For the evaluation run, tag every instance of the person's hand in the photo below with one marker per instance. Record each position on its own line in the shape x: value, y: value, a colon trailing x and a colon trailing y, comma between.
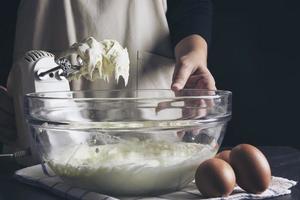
x: 8, y: 131
x: 191, y: 65
x: 191, y: 72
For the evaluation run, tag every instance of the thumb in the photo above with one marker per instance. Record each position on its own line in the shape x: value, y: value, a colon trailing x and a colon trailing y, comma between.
x: 180, y: 77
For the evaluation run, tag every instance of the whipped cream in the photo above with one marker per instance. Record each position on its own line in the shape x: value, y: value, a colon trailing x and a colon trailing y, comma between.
x: 131, y: 167
x: 101, y: 60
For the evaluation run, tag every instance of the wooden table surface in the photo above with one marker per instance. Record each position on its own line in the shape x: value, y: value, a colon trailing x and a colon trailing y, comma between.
x: 284, y: 161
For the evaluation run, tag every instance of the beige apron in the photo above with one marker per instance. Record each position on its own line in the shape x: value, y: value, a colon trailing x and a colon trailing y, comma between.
x: 139, y: 25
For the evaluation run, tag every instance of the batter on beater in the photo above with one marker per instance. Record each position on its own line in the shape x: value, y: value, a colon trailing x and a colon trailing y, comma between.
x: 105, y: 60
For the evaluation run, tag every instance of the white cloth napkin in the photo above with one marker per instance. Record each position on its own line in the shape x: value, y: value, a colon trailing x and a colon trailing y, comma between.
x: 34, y: 176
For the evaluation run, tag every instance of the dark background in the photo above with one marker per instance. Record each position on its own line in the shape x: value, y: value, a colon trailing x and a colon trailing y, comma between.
x: 254, y: 53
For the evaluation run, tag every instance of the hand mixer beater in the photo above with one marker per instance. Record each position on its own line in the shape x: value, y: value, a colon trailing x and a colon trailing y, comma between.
x: 37, y: 71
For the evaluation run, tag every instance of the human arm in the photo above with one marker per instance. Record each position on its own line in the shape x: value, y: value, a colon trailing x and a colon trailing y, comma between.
x: 190, y: 26
x: 8, y: 17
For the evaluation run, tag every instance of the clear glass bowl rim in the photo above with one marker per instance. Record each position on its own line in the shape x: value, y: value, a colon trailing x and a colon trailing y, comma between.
x: 51, y: 95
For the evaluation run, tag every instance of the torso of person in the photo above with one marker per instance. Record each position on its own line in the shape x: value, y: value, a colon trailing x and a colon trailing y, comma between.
x: 139, y: 25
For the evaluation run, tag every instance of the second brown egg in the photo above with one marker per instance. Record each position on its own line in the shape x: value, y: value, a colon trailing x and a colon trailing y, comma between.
x: 224, y: 155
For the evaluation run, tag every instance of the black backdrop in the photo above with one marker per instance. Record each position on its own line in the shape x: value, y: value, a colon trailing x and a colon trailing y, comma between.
x: 254, y: 53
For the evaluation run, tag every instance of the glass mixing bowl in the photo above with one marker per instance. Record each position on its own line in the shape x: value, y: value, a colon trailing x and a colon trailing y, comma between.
x: 124, y: 142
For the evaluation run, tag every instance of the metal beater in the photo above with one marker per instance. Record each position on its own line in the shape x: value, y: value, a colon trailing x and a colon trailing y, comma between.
x: 36, y: 71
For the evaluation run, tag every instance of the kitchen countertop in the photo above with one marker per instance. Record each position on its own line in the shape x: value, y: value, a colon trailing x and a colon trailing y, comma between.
x: 284, y: 161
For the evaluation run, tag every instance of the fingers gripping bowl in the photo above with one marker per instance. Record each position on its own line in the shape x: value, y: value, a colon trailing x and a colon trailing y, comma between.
x: 128, y: 142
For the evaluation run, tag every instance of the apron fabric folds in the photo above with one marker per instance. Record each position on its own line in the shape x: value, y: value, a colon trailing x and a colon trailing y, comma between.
x: 139, y: 25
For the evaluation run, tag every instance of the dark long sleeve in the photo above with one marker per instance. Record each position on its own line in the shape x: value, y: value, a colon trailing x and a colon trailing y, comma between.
x: 8, y: 18
x: 187, y: 17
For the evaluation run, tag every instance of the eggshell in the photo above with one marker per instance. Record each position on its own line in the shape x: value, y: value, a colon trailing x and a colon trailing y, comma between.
x: 251, y: 168
x: 215, y: 178
x: 224, y: 155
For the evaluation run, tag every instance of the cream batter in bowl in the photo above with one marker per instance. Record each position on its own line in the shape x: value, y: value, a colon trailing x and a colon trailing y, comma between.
x: 128, y: 142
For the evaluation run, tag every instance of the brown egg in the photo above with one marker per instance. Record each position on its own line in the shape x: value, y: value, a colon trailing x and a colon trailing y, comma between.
x: 251, y: 168
x: 215, y: 178
x: 224, y: 155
